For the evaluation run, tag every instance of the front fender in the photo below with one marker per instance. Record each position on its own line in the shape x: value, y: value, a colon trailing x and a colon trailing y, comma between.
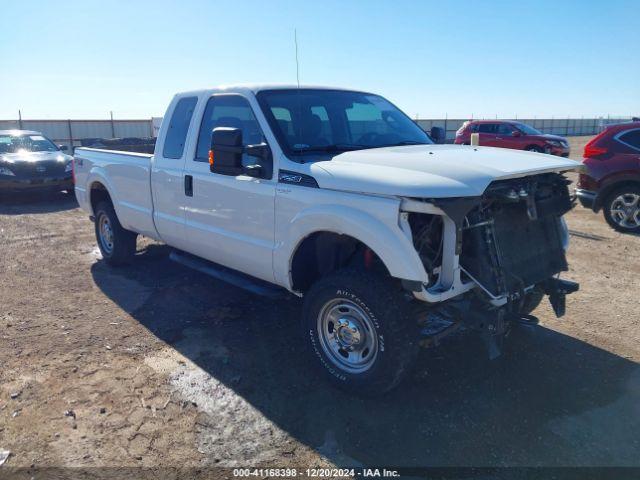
x: 388, y: 242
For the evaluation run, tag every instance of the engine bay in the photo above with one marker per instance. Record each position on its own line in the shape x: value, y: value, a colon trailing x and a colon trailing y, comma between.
x: 507, y: 240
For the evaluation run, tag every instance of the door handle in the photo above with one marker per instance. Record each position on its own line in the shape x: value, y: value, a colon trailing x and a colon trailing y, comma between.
x: 188, y: 185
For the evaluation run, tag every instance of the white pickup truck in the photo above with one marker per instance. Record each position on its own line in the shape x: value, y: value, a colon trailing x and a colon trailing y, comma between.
x: 338, y: 197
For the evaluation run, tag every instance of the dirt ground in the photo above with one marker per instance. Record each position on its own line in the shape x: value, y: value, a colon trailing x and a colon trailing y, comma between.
x: 157, y: 365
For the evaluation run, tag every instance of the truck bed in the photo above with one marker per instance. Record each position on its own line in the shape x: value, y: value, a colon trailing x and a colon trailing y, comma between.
x: 129, y: 177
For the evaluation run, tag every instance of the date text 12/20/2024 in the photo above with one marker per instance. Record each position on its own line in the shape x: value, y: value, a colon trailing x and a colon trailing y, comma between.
x: 315, y: 472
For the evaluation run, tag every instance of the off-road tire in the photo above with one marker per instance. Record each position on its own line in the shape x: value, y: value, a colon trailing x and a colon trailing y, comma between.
x: 389, y: 310
x: 123, y: 242
x: 606, y: 207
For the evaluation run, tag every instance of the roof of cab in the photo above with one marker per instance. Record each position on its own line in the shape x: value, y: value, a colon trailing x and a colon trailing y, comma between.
x: 255, y: 88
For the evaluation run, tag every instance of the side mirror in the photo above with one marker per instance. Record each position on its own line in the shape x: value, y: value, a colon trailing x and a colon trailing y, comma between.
x: 262, y: 152
x: 225, y: 155
x: 438, y: 135
x: 63, y: 148
x: 516, y: 133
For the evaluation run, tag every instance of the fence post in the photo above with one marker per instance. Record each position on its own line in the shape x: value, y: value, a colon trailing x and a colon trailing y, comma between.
x: 113, y: 128
x: 70, y: 135
x: 445, y: 126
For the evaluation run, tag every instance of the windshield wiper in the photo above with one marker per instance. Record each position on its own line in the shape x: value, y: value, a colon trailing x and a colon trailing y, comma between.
x: 341, y: 147
x: 407, y: 142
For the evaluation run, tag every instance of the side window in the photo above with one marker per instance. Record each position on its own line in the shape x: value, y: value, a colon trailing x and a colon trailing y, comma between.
x: 231, y: 111
x: 631, y: 139
x: 178, y: 127
x: 487, y: 128
x: 504, y: 129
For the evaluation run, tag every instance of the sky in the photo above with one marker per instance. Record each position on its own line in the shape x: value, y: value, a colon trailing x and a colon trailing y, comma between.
x: 461, y: 59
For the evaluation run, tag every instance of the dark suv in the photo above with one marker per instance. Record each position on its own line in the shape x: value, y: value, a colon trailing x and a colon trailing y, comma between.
x: 612, y: 180
x: 512, y: 134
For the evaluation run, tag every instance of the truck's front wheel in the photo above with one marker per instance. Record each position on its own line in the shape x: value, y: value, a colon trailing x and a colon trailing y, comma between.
x: 116, y: 244
x: 361, y: 332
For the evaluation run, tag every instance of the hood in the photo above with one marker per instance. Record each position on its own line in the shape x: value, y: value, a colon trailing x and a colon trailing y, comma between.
x: 436, y: 171
x: 34, y: 157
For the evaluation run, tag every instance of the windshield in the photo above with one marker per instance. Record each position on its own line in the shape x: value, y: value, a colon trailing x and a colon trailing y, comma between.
x: 526, y: 129
x: 310, y: 121
x: 25, y: 143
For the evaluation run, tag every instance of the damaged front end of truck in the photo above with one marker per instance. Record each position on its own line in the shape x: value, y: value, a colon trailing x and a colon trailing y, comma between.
x: 491, y: 259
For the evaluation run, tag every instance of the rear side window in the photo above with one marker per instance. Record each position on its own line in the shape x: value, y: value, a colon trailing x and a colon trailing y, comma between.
x: 487, y: 128
x: 178, y: 127
x: 630, y: 138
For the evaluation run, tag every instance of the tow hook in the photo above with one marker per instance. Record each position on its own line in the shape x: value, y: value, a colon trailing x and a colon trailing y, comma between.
x: 558, y: 290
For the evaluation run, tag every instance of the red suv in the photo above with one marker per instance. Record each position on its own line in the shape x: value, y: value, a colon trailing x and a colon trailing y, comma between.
x: 508, y: 134
x: 612, y: 181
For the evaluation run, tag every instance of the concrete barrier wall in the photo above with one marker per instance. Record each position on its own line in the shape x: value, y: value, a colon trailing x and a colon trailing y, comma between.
x: 70, y: 132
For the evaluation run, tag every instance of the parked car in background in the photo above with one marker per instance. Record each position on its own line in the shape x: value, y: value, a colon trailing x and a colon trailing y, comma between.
x: 30, y: 161
x: 612, y: 180
x: 516, y: 135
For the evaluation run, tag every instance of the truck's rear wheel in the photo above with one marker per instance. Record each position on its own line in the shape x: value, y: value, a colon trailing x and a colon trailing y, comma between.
x: 117, y: 245
x: 360, y: 330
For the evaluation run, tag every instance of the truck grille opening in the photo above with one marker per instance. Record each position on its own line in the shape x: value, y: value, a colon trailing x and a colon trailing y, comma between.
x: 513, y: 239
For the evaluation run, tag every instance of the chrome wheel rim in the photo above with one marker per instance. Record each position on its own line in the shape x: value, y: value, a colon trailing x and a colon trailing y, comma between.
x: 347, y: 336
x: 625, y: 210
x: 106, y: 234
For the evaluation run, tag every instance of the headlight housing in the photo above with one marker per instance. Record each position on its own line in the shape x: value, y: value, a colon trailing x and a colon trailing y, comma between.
x: 68, y: 167
x: 6, y: 171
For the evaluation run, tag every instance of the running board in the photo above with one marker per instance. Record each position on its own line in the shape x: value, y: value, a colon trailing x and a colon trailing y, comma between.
x: 238, y: 279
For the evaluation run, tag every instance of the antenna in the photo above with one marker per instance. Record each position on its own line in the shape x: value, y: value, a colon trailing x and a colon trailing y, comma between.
x: 295, y: 40
x: 300, y: 121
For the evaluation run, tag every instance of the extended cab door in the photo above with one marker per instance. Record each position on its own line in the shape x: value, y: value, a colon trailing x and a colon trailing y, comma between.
x: 487, y: 133
x: 230, y: 218
x: 167, y: 179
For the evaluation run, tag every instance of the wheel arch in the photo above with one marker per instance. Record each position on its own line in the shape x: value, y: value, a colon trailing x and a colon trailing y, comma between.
x: 98, y: 192
x: 351, y: 229
x: 323, y: 252
x: 613, y: 184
